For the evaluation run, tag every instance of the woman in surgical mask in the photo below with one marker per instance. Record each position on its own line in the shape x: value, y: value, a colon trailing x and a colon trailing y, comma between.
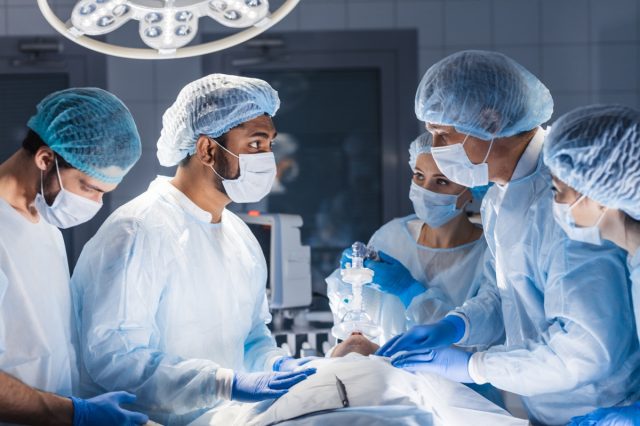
x: 428, y: 260
x: 593, y: 153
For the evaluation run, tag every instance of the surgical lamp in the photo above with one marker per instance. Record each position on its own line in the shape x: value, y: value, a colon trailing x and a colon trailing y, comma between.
x: 166, y: 26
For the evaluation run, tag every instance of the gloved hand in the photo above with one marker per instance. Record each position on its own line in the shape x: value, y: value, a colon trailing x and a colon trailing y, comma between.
x: 253, y: 387
x: 613, y: 416
x: 346, y: 258
x: 445, y: 332
x: 105, y: 410
x: 287, y: 363
x: 451, y: 363
x: 391, y: 277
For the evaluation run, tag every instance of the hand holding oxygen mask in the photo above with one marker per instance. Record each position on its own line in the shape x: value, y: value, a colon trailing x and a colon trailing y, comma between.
x: 391, y: 276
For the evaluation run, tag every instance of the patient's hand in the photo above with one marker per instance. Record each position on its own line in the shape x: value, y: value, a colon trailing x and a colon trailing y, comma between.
x: 356, y: 342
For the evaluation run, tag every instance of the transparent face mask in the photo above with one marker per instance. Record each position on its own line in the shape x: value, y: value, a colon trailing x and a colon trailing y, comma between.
x: 356, y: 319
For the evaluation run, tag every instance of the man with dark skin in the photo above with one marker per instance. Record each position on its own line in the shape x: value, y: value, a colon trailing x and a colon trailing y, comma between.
x: 171, y: 292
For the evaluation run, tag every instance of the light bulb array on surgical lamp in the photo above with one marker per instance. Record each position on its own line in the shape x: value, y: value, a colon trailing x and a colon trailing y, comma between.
x: 166, y: 26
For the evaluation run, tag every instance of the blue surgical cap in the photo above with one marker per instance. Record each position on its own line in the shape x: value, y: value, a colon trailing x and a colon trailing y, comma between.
x: 596, y: 151
x: 91, y: 129
x: 211, y: 106
x: 484, y: 94
x: 421, y: 145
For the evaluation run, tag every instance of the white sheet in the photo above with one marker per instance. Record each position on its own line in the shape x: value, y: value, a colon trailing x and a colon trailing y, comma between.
x: 375, y: 389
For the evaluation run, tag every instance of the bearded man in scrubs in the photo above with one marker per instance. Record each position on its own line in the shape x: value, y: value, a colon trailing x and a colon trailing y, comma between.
x: 171, y: 292
x: 80, y: 144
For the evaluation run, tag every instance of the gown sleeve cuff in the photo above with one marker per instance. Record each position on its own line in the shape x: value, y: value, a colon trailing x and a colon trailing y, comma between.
x: 465, y: 336
x: 224, y: 381
x: 475, y: 368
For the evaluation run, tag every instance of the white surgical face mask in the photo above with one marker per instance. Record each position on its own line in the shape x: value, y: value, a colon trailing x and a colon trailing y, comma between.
x: 68, y: 209
x: 257, y: 173
x: 455, y: 164
x: 433, y: 208
x: 586, y: 234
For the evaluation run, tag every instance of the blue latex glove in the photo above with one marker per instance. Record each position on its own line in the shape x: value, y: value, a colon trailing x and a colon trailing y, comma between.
x: 451, y: 363
x: 445, y: 332
x: 390, y: 276
x: 105, y: 410
x: 613, y: 416
x: 253, y: 387
x: 346, y: 258
x: 287, y: 363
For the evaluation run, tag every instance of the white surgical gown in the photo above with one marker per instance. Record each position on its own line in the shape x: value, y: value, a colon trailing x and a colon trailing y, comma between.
x: 164, y: 298
x: 566, y: 307
x: 36, y: 331
x: 369, y: 382
x: 449, y: 276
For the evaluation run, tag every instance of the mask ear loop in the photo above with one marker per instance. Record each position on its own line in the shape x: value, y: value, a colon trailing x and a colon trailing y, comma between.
x: 57, y: 172
x: 582, y: 197
x: 458, y: 197
x: 488, y: 151
x: 576, y: 202
x: 601, y: 216
x: 218, y: 143
x: 212, y: 168
x: 486, y: 157
x: 217, y: 174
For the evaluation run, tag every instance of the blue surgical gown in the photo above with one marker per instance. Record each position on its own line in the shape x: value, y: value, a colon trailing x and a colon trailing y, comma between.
x: 165, y: 298
x: 566, y: 309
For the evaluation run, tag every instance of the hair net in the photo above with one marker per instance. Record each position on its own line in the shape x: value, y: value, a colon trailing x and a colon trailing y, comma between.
x: 91, y: 129
x: 484, y: 94
x: 421, y: 145
x: 596, y: 151
x: 211, y: 106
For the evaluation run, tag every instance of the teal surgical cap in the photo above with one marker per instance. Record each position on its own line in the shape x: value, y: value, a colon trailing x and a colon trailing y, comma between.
x: 212, y: 106
x: 90, y: 129
x: 596, y: 151
x: 484, y: 94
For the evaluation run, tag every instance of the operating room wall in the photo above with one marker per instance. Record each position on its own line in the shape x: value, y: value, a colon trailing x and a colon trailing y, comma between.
x: 586, y: 51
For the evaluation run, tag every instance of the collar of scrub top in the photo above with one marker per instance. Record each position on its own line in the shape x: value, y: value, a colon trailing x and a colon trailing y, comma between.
x: 528, y: 163
x: 163, y: 185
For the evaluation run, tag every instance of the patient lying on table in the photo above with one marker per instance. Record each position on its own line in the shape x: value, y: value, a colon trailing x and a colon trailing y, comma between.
x: 355, y: 384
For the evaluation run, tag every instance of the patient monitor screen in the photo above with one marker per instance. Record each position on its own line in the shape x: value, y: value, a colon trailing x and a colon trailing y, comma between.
x: 263, y: 235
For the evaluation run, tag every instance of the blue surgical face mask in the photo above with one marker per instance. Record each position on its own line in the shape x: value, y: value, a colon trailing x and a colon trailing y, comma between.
x: 586, y: 234
x: 433, y: 208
